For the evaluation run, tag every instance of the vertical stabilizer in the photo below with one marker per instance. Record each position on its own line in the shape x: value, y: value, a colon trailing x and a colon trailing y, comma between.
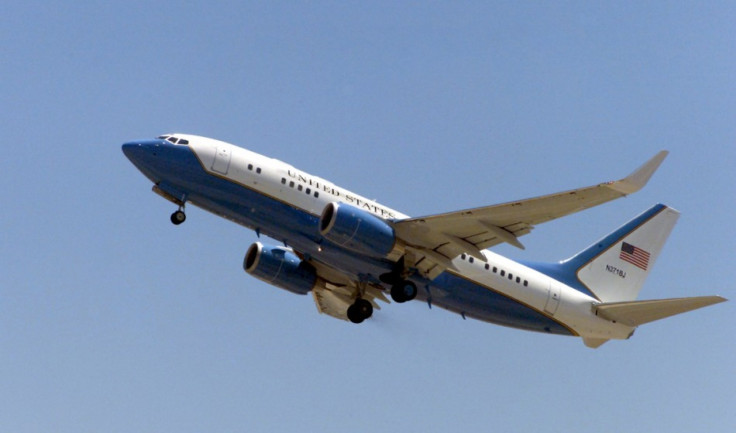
x: 614, y: 268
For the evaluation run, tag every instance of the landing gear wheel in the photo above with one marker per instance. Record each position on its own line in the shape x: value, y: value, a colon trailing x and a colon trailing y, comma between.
x: 178, y: 217
x: 360, y: 310
x: 403, y: 291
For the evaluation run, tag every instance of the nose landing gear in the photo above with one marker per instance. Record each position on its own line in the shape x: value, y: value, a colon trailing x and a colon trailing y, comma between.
x: 179, y: 216
x: 175, y: 196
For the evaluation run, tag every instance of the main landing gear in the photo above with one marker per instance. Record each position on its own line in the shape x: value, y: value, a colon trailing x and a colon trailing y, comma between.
x: 403, y: 291
x: 360, y: 310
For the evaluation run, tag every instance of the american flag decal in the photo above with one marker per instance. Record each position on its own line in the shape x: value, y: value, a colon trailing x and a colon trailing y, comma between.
x: 634, y: 255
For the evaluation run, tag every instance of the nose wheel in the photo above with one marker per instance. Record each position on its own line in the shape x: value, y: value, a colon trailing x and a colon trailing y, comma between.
x: 178, y: 217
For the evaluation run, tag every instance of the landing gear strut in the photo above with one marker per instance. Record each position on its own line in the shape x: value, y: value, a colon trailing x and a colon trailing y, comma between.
x: 175, y: 197
x: 360, y: 310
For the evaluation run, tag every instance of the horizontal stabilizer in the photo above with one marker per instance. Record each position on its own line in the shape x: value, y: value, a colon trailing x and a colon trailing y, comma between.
x: 637, y: 313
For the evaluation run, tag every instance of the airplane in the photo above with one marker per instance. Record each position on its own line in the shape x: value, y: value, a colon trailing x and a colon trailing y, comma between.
x: 350, y: 252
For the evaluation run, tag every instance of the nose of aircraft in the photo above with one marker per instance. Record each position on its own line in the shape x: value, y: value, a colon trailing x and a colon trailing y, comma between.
x: 135, y: 150
x: 144, y: 155
x: 131, y: 149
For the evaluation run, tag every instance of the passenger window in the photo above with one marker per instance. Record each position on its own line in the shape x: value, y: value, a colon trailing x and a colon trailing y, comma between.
x: 291, y: 184
x: 518, y: 280
x: 299, y: 187
x: 258, y: 170
x: 308, y: 191
x: 250, y: 167
x: 503, y: 273
x: 316, y: 194
x: 283, y: 181
x: 495, y: 269
x: 526, y: 283
x: 463, y: 256
x: 511, y: 276
x: 471, y: 260
x: 488, y: 266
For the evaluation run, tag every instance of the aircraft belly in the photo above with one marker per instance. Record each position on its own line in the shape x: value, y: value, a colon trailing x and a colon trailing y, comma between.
x: 455, y: 293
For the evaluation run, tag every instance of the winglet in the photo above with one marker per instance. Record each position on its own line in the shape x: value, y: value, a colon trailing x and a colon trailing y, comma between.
x: 636, y: 180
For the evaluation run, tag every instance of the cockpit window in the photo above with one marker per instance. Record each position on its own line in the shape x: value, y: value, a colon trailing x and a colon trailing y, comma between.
x: 173, y: 139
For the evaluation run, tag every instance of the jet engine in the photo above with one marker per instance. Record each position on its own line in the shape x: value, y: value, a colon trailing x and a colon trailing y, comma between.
x: 281, y: 267
x: 357, y: 230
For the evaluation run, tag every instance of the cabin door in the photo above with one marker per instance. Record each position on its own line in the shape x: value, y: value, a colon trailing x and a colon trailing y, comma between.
x: 222, y: 160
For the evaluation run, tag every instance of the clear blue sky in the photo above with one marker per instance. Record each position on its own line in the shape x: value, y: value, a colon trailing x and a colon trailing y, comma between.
x: 114, y: 320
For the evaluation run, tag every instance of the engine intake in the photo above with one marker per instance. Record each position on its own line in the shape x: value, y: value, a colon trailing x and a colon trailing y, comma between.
x: 357, y: 230
x: 281, y: 267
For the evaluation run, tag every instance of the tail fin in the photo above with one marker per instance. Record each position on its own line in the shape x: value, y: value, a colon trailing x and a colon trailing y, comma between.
x: 614, y: 268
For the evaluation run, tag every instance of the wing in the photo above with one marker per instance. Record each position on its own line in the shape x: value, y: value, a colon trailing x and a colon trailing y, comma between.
x: 433, y: 241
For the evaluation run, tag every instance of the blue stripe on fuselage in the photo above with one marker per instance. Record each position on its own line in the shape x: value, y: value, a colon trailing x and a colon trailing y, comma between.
x: 178, y: 168
x: 461, y: 295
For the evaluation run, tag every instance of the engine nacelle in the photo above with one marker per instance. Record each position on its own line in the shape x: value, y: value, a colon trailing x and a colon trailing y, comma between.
x: 281, y: 267
x: 357, y: 230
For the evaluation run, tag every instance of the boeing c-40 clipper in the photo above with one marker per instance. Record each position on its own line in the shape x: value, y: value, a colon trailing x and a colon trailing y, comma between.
x: 350, y: 252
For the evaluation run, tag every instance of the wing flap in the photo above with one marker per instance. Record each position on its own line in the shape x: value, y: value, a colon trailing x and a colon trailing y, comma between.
x: 431, y: 263
x: 637, y: 313
x: 331, y: 302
